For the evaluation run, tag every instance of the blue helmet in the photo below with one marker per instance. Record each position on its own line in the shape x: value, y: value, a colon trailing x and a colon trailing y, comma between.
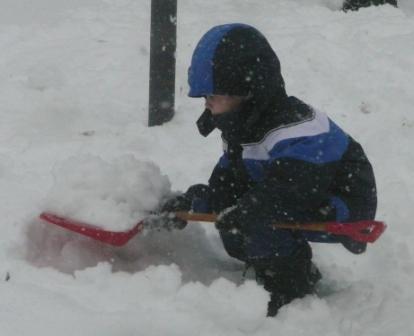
x: 234, y: 59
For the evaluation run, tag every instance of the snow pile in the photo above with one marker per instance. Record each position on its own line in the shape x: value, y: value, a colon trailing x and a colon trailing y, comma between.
x: 112, y: 195
x: 153, y: 302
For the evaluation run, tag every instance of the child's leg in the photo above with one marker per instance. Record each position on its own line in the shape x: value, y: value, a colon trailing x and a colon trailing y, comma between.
x: 286, y: 271
x: 287, y: 278
x: 234, y: 244
x: 281, y: 260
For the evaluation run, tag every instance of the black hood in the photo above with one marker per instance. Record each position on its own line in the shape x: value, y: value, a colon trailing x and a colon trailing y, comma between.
x: 236, y: 59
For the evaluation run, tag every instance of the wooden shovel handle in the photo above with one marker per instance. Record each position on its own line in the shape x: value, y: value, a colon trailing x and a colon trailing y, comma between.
x: 211, y: 217
x: 364, y: 231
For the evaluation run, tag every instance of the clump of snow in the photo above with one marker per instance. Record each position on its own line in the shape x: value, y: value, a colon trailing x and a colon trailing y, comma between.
x: 112, y: 195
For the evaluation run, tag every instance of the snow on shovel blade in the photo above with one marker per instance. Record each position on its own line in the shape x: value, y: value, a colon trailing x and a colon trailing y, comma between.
x: 110, y: 237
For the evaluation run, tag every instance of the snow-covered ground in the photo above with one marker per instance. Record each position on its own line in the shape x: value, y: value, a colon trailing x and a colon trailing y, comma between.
x: 73, y: 108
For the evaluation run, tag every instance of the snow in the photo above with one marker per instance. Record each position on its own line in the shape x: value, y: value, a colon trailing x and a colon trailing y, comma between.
x: 113, y: 196
x: 73, y: 107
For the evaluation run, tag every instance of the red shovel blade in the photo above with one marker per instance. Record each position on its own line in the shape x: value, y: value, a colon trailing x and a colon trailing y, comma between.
x: 367, y: 231
x: 109, y: 237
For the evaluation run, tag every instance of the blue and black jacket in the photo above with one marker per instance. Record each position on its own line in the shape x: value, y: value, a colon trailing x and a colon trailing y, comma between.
x: 283, y: 160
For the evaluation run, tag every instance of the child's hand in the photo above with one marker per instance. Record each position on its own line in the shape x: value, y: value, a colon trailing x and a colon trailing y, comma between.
x: 229, y: 219
x: 165, y: 217
x: 167, y: 211
x: 176, y: 203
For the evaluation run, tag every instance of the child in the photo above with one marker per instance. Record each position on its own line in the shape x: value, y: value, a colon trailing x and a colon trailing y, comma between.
x: 283, y: 161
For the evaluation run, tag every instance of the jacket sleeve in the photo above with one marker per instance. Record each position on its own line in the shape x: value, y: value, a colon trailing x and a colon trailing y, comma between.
x: 225, y: 185
x: 224, y: 189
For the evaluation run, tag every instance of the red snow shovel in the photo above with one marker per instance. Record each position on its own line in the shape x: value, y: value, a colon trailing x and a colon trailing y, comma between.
x: 367, y: 231
x: 116, y: 238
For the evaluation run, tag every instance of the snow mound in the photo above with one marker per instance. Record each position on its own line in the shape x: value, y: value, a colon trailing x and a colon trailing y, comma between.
x: 112, y: 195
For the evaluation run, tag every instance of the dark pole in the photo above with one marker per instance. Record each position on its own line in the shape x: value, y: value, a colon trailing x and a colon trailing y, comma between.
x: 162, y: 61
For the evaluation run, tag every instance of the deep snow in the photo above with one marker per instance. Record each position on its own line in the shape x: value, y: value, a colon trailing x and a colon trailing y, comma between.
x: 73, y: 107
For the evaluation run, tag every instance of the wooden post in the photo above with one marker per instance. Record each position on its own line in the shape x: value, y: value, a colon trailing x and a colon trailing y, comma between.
x: 162, y: 61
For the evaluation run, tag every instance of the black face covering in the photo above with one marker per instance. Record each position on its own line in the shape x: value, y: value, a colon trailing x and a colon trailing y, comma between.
x: 205, y: 123
x: 231, y: 123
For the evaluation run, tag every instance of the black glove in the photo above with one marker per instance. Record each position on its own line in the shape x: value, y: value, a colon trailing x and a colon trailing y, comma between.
x: 165, y: 217
x: 167, y: 211
x: 176, y: 203
x: 230, y: 219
